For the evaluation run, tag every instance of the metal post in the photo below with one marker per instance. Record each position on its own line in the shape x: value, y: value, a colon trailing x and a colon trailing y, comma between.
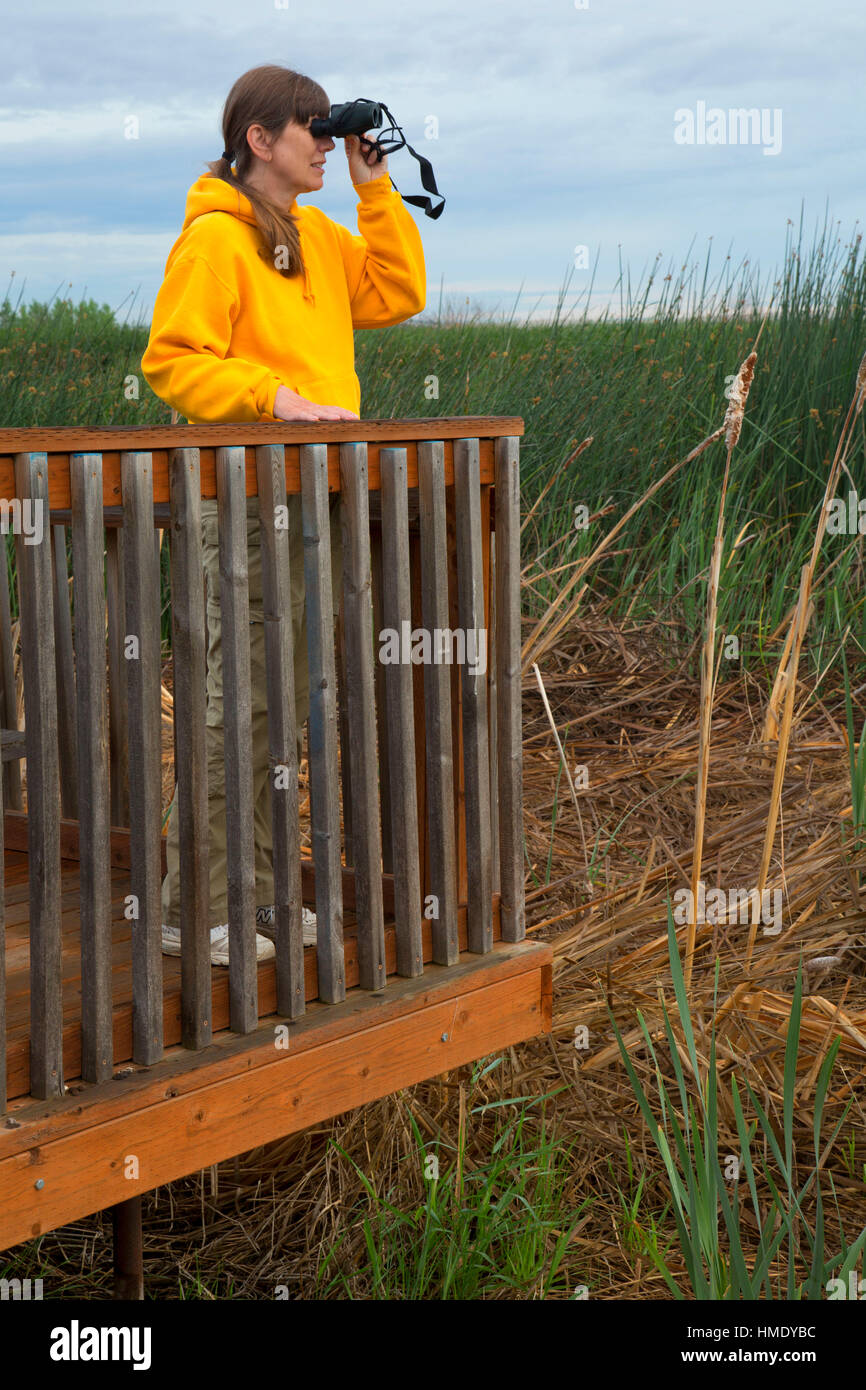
x: 128, y: 1256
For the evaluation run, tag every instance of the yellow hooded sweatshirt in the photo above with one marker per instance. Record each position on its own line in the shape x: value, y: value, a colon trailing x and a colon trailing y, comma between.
x: 228, y: 329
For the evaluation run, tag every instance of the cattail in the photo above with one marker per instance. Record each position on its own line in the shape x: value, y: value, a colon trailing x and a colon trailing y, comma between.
x: 737, y: 400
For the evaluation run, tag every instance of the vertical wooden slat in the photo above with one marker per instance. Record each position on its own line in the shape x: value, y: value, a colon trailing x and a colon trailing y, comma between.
x: 419, y: 712
x: 43, y: 785
x: 142, y: 652
x: 189, y: 664
x: 397, y: 610
x: 456, y: 701
x: 473, y: 686
x: 361, y: 701
x: 283, y: 752
x: 65, y: 676
x: 343, y: 725
x: 237, y: 730
x: 322, y: 726
x: 2, y: 958
x: 508, y: 689
x: 88, y: 544
x: 437, y: 702
x: 8, y: 693
x: 118, y: 722
x: 381, y: 698
x: 492, y: 714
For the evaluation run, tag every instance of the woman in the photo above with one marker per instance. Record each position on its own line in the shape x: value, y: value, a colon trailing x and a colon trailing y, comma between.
x: 254, y: 321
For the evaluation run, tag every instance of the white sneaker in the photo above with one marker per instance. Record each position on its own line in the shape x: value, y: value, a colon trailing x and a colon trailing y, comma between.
x: 219, y: 937
x: 265, y: 919
x: 219, y: 944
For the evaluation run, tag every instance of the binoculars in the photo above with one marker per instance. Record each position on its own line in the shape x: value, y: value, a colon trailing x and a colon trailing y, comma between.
x: 354, y: 117
x: 348, y: 118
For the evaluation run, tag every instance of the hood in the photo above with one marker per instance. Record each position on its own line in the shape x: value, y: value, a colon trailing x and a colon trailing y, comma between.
x: 210, y: 194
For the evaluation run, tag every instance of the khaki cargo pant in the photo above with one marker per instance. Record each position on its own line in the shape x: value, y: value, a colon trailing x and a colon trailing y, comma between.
x: 214, y: 719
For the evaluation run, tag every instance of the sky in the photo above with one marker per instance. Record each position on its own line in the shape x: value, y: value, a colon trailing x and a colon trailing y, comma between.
x: 572, y: 136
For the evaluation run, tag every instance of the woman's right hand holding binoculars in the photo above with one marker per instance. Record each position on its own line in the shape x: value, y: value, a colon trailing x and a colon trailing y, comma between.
x: 288, y: 405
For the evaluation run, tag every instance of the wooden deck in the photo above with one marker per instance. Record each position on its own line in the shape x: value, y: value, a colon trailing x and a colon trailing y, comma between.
x: 18, y: 972
x: 128, y: 1069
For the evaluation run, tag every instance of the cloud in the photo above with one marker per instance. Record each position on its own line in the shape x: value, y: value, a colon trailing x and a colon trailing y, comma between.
x: 555, y: 125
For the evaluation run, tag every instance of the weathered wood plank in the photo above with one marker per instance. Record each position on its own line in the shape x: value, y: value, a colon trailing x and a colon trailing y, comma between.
x: 397, y: 610
x: 418, y: 708
x: 142, y: 653
x: 508, y: 689
x: 437, y: 700
x: 65, y: 674
x: 13, y: 745
x: 118, y: 720
x: 322, y: 726
x: 492, y: 713
x: 43, y: 785
x: 343, y: 726
x: 361, y: 704
x: 456, y: 700
x: 88, y: 545
x: 189, y: 664
x: 237, y: 732
x: 473, y: 686
x: 381, y: 699
x: 161, y: 439
x: 3, y: 1020
x: 283, y: 751
x: 8, y: 693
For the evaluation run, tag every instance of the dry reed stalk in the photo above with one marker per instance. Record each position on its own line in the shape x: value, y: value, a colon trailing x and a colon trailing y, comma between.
x: 533, y: 647
x: 801, y: 619
x: 770, y: 730
x: 772, y: 718
x: 565, y: 765
x: 575, y: 454
x: 732, y: 426
x: 788, y: 680
x: 557, y: 545
x: 839, y: 459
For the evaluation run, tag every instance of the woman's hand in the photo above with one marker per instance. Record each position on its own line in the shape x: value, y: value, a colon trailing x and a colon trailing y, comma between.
x: 362, y: 164
x: 288, y: 405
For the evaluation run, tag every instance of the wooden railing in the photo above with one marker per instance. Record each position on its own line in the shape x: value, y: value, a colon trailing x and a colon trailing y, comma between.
x: 415, y: 773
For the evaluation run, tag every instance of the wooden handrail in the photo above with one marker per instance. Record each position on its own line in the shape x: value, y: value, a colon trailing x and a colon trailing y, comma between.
x: 160, y: 440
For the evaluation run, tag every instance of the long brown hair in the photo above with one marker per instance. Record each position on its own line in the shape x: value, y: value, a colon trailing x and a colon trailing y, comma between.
x: 269, y: 96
